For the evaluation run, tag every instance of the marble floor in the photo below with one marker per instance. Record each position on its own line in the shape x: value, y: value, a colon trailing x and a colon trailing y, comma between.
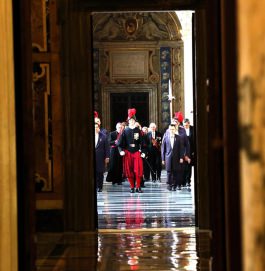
x: 150, y: 231
x: 160, y: 250
x: 156, y: 207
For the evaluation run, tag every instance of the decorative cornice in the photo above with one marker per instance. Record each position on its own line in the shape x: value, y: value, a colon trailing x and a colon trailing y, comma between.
x: 147, y: 26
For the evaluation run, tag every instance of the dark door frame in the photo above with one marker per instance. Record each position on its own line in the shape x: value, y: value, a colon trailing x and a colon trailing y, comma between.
x: 130, y: 105
x: 221, y: 85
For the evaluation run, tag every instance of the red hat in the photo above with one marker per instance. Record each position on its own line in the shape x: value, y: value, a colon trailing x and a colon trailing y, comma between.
x: 131, y: 113
x: 179, y: 116
x: 95, y: 114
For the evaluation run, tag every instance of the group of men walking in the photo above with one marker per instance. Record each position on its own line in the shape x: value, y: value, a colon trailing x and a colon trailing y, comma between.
x: 135, y: 153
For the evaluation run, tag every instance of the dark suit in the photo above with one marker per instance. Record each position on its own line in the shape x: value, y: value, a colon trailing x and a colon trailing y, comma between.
x: 188, y: 167
x: 154, y: 154
x: 104, y: 131
x: 102, y: 152
x: 187, y: 151
x: 115, y: 166
x: 172, y: 156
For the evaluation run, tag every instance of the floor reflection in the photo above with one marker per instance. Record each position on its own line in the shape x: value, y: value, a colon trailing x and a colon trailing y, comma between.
x: 125, y: 250
x: 133, y: 212
x: 150, y: 231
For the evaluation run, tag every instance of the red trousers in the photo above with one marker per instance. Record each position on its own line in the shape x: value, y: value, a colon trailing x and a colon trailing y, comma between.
x: 133, y: 167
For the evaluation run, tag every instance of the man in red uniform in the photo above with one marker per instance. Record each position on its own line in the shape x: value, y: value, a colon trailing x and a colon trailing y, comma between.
x: 130, y: 146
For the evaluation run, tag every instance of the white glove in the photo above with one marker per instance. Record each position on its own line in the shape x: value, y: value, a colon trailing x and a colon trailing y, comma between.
x: 122, y: 153
x: 143, y: 155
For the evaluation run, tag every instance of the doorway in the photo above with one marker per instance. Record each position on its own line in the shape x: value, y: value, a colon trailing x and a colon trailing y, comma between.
x: 120, y: 102
x: 84, y: 109
x: 132, y: 72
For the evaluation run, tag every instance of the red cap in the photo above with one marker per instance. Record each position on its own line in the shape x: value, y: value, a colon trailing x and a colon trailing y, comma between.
x: 131, y: 113
x: 95, y: 114
x: 179, y: 116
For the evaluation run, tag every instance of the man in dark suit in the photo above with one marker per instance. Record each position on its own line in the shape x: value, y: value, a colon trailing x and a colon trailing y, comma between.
x: 189, y: 161
x: 172, y: 154
x: 146, y: 168
x: 154, y: 139
x: 102, y: 156
x: 115, y: 166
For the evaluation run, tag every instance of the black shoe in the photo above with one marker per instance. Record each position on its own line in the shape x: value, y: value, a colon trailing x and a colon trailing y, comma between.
x: 169, y: 188
x: 174, y: 189
x: 119, y: 183
x: 153, y: 181
x: 132, y: 190
x: 100, y: 190
x: 139, y: 190
x: 179, y: 188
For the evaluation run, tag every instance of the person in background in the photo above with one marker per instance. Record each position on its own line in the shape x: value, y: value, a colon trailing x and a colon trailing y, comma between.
x: 146, y: 169
x: 176, y: 121
x: 102, y: 156
x: 172, y: 153
x: 189, y: 161
x: 154, y: 139
x: 115, y: 166
x: 145, y: 130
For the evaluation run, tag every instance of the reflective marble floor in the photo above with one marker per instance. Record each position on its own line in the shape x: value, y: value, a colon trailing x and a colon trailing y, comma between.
x: 160, y: 250
x: 156, y: 207
x: 149, y: 231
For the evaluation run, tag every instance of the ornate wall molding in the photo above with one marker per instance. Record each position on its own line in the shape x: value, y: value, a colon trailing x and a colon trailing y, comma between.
x: 136, y: 26
x: 129, y: 46
x: 96, y: 78
x: 125, y: 66
x: 48, y: 120
x: 178, y: 77
x: 165, y: 69
x: 40, y: 25
x: 42, y: 127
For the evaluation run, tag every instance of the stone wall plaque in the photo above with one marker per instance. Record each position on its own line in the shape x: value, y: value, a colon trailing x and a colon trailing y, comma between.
x: 129, y: 65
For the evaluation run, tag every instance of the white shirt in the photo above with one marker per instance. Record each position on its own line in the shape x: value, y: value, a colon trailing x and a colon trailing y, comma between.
x: 96, y: 139
x: 172, y: 139
x: 153, y: 134
x: 187, y: 131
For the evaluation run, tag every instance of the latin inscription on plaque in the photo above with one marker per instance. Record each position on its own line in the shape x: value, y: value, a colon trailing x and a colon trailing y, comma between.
x: 129, y: 65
